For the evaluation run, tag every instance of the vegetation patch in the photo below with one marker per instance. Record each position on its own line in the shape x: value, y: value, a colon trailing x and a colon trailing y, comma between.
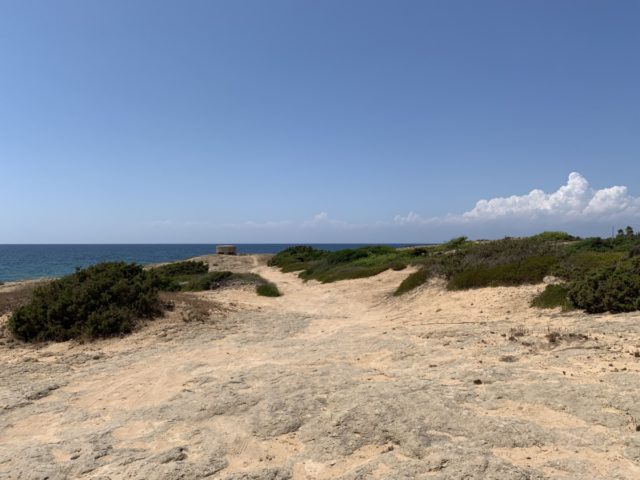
x: 221, y: 279
x: 529, y: 270
x: 553, y: 296
x: 176, y: 269
x: 575, y: 264
x: 103, y: 300
x: 356, y: 263
x: 194, y: 276
x: 554, y: 236
x: 598, y: 272
x: 613, y: 289
x: 206, y: 281
x: 455, y: 244
x: 298, y: 258
x: 108, y: 299
x: 413, y: 281
x: 268, y: 289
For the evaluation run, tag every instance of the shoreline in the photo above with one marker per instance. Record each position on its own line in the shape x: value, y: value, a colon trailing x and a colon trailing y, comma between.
x: 141, y: 254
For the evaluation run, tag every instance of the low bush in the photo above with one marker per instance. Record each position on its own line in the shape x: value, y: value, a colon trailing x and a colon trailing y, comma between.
x: 577, y: 264
x: 509, y: 250
x: 528, y: 270
x: 188, y: 267
x: 398, y: 265
x: 554, y: 236
x: 268, y: 290
x: 296, y: 258
x: 354, y: 263
x: 222, y: 279
x: 99, y: 301
x: 457, y: 243
x: 174, y: 276
x: 613, y: 289
x: 350, y: 255
x: 593, y: 266
x: 413, y: 281
x: 600, y: 271
x: 597, y: 244
x: 207, y: 281
x: 553, y: 296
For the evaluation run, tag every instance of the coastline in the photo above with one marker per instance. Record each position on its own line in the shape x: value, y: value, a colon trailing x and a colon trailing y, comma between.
x: 332, y: 379
x: 32, y: 262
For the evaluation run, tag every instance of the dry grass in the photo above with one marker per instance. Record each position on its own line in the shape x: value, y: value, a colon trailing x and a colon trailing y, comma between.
x: 14, y: 297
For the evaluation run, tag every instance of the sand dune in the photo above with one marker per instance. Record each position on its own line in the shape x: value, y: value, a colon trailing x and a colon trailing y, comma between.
x: 340, y: 380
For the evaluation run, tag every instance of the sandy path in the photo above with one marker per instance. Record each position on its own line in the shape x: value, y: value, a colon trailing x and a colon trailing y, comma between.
x: 332, y: 381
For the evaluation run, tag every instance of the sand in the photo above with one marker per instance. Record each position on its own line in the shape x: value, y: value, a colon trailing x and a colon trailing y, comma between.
x: 331, y: 381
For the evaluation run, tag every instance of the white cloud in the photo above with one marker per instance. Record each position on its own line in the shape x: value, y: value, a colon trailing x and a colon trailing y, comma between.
x: 575, y: 207
x: 574, y: 202
x: 411, y: 217
x: 321, y: 218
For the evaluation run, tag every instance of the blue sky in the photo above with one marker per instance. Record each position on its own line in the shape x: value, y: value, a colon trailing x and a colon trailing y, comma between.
x: 330, y: 121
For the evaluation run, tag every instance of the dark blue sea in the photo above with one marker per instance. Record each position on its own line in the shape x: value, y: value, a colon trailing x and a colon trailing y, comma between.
x: 22, y: 262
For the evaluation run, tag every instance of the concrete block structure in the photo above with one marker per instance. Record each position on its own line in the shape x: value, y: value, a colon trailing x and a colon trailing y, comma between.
x: 226, y: 249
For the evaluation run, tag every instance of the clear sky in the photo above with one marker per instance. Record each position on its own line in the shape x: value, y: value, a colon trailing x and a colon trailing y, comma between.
x: 316, y: 121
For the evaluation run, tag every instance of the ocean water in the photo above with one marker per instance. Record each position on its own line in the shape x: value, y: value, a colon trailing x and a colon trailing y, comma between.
x: 22, y: 262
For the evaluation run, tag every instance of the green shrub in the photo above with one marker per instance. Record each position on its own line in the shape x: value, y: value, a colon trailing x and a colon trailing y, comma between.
x: 176, y: 269
x: 268, y: 290
x: 579, y: 263
x: 509, y: 250
x: 99, y: 301
x: 529, y: 270
x: 593, y: 244
x: 173, y: 276
x: 193, y: 276
x: 356, y: 263
x: 215, y: 280
x: 207, y: 281
x: 552, y: 296
x: 454, y: 244
x: 296, y: 258
x: 601, y: 271
x: 552, y: 236
x: 412, y: 281
x: 419, y: 251
x: 349, y: 255
x: 613, y: 289
x: 398, y: 265
x: 510, y: 261
x: 341, y: 272
x: 597, y: 244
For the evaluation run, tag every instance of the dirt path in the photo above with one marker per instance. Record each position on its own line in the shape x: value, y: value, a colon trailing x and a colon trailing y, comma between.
x: 332, y: 381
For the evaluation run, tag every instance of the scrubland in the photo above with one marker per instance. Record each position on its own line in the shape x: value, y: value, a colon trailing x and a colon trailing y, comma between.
x: 431, y: 362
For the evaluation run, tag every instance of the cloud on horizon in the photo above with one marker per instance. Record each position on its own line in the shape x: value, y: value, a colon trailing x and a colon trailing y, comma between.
x: 575, y: 207
x: 574, y: 202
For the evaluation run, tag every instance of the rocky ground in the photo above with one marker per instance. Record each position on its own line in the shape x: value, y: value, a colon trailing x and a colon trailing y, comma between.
x: 337, y: 381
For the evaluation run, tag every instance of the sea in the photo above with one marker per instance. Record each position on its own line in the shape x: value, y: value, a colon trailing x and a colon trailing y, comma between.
x: 25, y: 262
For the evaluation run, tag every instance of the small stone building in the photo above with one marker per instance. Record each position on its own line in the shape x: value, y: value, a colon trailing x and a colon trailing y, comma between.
x: 225, y: 249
